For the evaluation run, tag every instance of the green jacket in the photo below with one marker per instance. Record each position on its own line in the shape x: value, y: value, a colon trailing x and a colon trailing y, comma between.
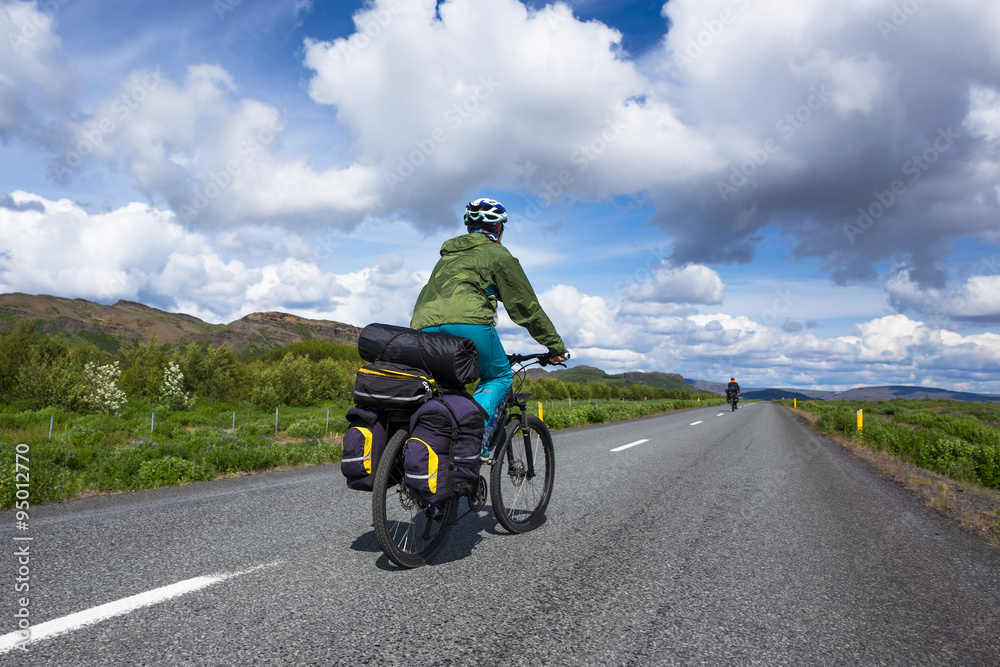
x: 471, y: 276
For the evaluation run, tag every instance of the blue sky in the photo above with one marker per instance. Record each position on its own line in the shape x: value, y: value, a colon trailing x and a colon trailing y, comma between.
x: 799, y: 195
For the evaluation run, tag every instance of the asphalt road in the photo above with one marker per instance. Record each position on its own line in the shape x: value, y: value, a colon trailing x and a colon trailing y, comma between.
x: 725, y: 538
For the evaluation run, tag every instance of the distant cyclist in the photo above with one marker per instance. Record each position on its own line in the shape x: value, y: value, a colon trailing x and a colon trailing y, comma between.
x: 460, y: 298
x: 732, y: 391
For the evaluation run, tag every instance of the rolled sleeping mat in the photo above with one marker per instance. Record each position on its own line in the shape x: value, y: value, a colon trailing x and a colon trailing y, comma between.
x: 452, y: 360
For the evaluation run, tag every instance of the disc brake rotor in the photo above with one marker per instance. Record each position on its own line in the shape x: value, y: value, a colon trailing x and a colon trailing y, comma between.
x: 405, y: 500
x: 517, y: 472
x: 478, y: 497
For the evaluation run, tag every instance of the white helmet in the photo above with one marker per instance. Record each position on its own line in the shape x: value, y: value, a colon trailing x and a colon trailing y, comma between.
x: 484, y: 211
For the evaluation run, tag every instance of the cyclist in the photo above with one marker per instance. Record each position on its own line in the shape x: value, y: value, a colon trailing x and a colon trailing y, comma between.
x: 733, y: 390
x: 460, y: 298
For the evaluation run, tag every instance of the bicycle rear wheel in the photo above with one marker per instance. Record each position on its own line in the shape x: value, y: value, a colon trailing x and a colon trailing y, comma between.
x: 410, y: 531
x: 520, y: 497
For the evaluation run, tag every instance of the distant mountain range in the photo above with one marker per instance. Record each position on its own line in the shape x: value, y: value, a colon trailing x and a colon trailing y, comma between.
x: 885, y: 393
x: 775, y: 395
x: 79, y: 321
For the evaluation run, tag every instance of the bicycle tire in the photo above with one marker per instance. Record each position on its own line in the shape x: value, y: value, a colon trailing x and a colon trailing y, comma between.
x: 399, y: 519
x: 519, y: 503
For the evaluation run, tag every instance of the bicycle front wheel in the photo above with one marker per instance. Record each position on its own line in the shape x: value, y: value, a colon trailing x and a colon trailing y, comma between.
x: 521, y: 479
x: 410, y: 531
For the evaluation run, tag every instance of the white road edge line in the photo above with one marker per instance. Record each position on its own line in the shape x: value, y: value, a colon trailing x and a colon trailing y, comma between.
x: 117, y: 608
x: 696, y: 423
x: 631, y: 444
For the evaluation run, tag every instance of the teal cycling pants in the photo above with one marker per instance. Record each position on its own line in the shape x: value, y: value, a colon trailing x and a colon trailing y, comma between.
x: 495, y: 374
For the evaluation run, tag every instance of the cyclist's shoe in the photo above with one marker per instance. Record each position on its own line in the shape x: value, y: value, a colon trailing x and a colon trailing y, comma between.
x: 484, y: 454
x: 437, y: 513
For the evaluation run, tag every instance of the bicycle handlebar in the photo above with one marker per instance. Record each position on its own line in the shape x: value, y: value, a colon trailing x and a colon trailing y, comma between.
x: 541, y: 358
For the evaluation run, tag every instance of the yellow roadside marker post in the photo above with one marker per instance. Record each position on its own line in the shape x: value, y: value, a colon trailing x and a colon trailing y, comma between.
x: 540, y: 417
x: 795, y: 402
x: 860, y: 419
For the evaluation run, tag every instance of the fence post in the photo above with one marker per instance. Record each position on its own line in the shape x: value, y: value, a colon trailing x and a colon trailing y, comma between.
x: 234, y: 421
x: 152, y: 422
x: 276, y: 421
x: 327, y: 429
x: 52, y: 419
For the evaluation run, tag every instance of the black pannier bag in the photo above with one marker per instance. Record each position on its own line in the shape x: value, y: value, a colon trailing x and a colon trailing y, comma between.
x: 441, y: 456
x: 384, y: 385
x: 452, y: 360
x: 363, y: 445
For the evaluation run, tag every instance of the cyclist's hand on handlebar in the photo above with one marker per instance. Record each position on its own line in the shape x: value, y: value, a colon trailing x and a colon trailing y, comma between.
x: 557, y: 357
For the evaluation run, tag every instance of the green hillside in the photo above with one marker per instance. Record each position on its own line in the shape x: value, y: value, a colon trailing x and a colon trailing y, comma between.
x: 586, y: 374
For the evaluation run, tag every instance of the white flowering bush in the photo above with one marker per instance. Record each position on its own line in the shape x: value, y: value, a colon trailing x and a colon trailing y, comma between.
x: 103, y: 393
x: 172, y: 392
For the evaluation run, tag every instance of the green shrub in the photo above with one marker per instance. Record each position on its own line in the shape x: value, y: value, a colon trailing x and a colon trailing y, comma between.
x: 169, y: 471
x: 841, y: 421
x: 89, y: 435
x: 142, y: 370
x: 265, y: 394
x: 8, y: 485
x: 339, y: 424
x: 565, y: 418
x: 306, y: 428
x: 167, y: 429
x: 258, y: 427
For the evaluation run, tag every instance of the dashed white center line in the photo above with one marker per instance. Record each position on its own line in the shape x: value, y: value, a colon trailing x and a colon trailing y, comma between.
x: 695, y: 423
x: 117, y: 608
x: 631, y: 444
